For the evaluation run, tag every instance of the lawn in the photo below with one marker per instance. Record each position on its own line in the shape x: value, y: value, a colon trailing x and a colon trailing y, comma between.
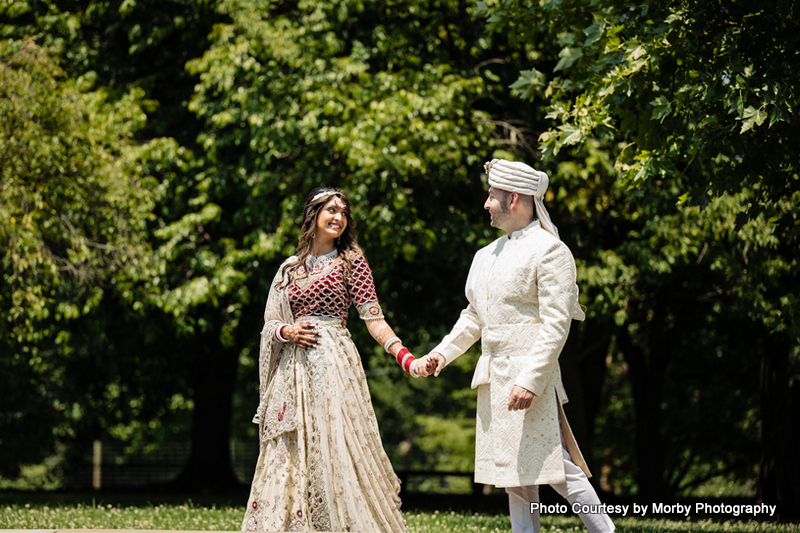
x: 139, y: 512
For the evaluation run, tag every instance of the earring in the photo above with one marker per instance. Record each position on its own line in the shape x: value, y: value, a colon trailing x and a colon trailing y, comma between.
x: 313, y: 235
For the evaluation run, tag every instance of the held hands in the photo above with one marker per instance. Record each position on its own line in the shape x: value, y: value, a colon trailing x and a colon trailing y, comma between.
x: 519, y: 399
x: 301, y: 334
x: 421, y: 368
x: 430, y: 364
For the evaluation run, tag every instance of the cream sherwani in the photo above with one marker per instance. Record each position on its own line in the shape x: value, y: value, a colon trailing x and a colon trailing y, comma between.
x: 522, y: 297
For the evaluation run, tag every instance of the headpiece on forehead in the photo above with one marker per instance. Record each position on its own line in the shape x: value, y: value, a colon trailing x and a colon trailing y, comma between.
x: 325, y: 193
x: 520, y: 178
x: 322, y: 194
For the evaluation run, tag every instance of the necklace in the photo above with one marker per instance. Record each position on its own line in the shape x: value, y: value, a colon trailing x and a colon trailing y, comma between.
x: 313, y: 262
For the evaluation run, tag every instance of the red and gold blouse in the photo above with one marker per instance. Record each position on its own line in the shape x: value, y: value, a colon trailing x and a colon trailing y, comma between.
x: 320, y: 289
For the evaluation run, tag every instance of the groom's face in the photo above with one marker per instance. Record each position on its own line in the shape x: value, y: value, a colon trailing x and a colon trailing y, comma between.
x: 498, y: 206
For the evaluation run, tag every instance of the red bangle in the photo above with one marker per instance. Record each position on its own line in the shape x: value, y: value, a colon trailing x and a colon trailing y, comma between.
x: 404, y: 359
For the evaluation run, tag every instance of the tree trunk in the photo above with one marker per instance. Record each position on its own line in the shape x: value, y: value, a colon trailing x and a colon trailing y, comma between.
x: 212, y: 373
x: 646, y: 384
x: 780, y: 410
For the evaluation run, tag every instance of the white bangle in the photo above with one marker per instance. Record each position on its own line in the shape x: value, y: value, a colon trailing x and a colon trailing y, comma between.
x: 390, y: 342
x: 278, y: 333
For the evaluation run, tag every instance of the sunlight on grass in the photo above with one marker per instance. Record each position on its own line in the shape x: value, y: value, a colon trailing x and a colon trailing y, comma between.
x: 108, y: 516
x: 419, y: 522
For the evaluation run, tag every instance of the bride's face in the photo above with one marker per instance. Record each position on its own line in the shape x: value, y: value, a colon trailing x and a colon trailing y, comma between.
x: 332, y: 219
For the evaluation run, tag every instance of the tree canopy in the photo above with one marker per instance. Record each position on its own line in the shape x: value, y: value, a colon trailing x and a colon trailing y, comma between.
x: 74, y: 216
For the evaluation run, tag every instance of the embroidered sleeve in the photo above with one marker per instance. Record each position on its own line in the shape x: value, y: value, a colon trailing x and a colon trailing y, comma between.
x: 362, y: 290
x: 464, y: 334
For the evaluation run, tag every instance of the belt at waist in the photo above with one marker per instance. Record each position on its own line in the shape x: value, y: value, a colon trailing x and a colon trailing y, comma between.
x: 321, y: 321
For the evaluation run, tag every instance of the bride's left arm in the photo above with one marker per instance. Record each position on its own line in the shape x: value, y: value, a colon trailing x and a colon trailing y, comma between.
x: 385, y: 336
x: 383, y: 333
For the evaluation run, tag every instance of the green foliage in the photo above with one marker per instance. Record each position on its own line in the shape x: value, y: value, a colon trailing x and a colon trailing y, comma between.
x: 75, y: 209
x: 132, y: 57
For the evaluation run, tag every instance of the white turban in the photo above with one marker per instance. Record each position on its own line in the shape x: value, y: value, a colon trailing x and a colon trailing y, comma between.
x: 520, y: 178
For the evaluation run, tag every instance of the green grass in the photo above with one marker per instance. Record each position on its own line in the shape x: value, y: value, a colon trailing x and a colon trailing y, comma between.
x: 109, y: 516
x: 437, y: 522
x: 136, y: 512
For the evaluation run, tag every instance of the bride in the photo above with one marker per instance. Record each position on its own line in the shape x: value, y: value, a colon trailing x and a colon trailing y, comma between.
x: 322, y: 466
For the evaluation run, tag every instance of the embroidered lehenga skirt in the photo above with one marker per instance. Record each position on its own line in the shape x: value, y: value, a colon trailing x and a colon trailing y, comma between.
x: 322, y: 466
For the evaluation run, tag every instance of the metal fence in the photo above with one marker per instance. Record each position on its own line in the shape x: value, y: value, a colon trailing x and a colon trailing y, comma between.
x: 112, y: 466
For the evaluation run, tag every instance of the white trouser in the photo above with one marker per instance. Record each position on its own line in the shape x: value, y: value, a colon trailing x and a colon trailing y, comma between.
x: 576, y: 489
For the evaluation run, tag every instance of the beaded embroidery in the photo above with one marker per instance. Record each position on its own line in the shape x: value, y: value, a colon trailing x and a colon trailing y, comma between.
x: 323, y: 291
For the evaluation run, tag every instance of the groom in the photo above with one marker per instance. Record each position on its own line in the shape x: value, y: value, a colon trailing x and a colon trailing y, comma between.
x: 522, y: 298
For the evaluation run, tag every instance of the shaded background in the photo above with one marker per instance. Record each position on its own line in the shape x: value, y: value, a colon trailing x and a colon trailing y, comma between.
x: 155, y: 155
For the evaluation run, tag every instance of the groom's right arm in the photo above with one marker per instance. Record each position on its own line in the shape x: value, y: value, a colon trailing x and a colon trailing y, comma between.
x: 464, y: 334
